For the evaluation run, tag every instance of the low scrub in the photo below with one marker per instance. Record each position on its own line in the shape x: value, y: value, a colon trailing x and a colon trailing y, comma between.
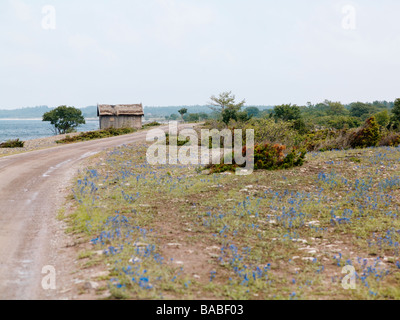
x: 266, y: 157
x: 368, y: 135
x: 12, y: 144
x: 327, y: 139
x: 371, y: 134
x: 151, y: 124
x: 92, y: 135
x: 390, y: 139
x: 179, y: 142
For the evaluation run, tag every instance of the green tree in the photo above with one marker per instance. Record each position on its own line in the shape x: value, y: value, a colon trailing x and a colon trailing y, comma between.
x: 383, y: 118
x: 226, y: 100
x: 361, y: 110
x: 64, y: 119
x: 243, y: 116
x: 182, y: 112
x: 203, y: 116
x: 173, y: 116
x: 229, y: 114
x: 286, y: 112
x: 343, y: 122
x: 396, y: 110
x: 395, y: 118
x: 192, y: 117
x: 335, y: 108
x: 252, y: 112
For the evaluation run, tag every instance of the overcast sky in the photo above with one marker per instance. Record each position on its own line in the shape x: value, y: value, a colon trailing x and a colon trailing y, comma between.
x: 180, y: 52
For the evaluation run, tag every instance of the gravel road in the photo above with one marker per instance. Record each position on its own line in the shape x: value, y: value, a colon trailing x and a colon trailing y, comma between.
x: 32, y: 189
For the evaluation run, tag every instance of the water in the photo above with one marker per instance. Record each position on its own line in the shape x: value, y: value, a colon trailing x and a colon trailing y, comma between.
x: 34, y: 129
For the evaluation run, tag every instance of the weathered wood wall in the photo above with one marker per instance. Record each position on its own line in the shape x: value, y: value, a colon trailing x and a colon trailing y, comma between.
x: 120, y: 122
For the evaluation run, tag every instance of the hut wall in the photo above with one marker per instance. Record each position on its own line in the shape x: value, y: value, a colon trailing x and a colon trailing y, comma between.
x: 120, y: 122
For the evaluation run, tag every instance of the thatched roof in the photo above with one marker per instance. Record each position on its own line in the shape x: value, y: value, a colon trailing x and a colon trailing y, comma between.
x: 120, y: 110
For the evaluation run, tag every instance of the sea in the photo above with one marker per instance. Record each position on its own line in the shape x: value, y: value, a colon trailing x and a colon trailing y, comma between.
x: 29, y: 129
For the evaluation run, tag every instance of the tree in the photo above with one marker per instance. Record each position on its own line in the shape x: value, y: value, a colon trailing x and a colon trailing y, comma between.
x: 173, y: 116
x: 64, y: 119
x: 243, y: 116
x: 396, y: 110
x: 287, y: 112
x: 395, y: 120
x: 203, y: 116
x: 226, y: 100
x: 252, y: 112
x: 182, y: 112
x: 361, y: 110
x: 335, y: 108
x: 229, y: 114
x: 192, y: 117
x: 383, y: 118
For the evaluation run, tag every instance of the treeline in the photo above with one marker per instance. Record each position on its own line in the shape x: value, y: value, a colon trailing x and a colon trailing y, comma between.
x: 323, y: 126
x: 284, y: 134
x: 200, y: 112
x: 327, y: 114
x: 24, y: 113
x: 37, y: 112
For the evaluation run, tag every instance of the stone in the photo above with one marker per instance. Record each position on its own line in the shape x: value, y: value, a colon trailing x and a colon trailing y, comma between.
x: 174, y: 244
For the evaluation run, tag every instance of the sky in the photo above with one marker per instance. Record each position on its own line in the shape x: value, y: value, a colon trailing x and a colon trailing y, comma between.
x: 181, y: 52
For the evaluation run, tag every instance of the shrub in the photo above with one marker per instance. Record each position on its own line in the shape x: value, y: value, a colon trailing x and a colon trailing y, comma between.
x: 92, y: 135
x: 180, y: 143
x: 391, y: 139
x: 266, y: 157
x: 271, y: 131
x: 327, y: 139
x: 272, y: 157
x: 151, y: 124
x: 367, y: 136
x: 12, y: 144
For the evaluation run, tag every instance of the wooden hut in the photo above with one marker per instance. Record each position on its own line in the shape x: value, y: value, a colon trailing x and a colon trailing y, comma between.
x: 120, y: 116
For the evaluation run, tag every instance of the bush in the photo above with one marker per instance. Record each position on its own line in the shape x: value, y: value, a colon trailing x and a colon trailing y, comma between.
x: 272, y: 157
x: 367, y: 136
x: 327, y: 139
x: 12, y: 144
x: 151, y: 124
x: 92, y: 135
x: 391, y: 139
x: 266, y: 157
x: 180, y: 143
x: 271, y: 131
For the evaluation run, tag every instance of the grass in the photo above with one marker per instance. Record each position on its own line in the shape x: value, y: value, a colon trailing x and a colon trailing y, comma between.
x: 172, y: 232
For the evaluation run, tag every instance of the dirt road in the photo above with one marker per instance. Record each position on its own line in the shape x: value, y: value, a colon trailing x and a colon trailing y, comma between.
x: 32, y: 189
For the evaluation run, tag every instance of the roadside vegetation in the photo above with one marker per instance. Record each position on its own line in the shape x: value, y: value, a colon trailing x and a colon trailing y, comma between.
x: 100, y: 134
x: 174, y: 232
x: 287, y: 231
x: 12, y: 144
